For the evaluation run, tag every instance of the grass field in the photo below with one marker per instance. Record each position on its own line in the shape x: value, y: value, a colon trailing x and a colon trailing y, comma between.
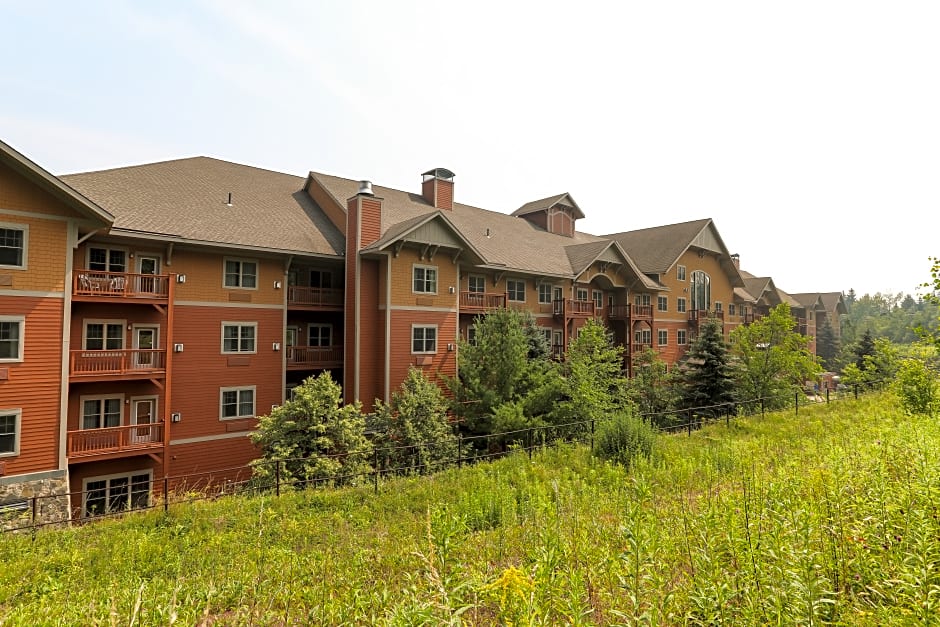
x: 828, y: 517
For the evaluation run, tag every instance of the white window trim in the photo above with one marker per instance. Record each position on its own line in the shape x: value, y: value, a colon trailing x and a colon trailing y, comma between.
x: 122, y: 323
x: 241, y: 273
x: 681, y: 273
x: 98, y: 397
x: 470, y: 279
x: 108, y: 478
x: 598, y: 302
x: 25, y: 229
x: 659, y: 337
x: 22, y: 343
x: 238, y: 323
x: 319, y: 325
x: 127, y: 256
x: 240, y: 388
x: 682, y: 337
x: 685, y: 304
x: 436, y: 337
x: 17, y: 430
x: 551, y: 291
x: 664, y: 300
x: 437, y: 276
x: 524, y: 290
x: 587, y: 294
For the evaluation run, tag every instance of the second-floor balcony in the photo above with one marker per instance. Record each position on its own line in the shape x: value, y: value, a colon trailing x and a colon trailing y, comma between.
x: 124, y: 286
x: 112, y: 442
x: 135, y: 363
x: 630, y: 312
x: 478, y: 302
x: 314, y: 357
x: 569, y: 308
x: 331, y: 298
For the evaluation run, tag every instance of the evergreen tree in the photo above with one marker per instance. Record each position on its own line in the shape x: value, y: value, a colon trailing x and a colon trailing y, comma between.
x: 594, y: 383
x: 864, y: 348
x: 707, y: 377
x: 416, y: 434
x: 827, y: 346
x: 653, y: 388
x: 314, y: 436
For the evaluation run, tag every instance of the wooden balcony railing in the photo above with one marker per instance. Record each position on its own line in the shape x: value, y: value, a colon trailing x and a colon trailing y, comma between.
x: 481, y: 301
x: 314, y: 356
x: 638, y: 347
x: 117, y: 362
x: 330, y: 297
x: 110, y: 440
x: 120, y: 285
x: 630, y: 312
x: 573, y: 308
x: 698, y: 315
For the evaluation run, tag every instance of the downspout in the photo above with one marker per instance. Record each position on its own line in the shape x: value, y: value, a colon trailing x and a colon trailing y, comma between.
x: 71, y: 244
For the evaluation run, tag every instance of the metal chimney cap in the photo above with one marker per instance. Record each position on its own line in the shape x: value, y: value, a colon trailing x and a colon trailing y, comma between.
x: 439, y: 173
x: 365, y: 187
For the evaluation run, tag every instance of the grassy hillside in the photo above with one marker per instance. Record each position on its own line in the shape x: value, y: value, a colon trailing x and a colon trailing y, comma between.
x: 828, y: 517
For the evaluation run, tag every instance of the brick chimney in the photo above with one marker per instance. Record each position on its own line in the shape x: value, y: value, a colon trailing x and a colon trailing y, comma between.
x: 736, y: 260
x: 437, y: 187
x: 363, y: 218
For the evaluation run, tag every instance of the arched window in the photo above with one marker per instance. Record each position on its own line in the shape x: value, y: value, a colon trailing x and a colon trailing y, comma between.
x: 701, y: 291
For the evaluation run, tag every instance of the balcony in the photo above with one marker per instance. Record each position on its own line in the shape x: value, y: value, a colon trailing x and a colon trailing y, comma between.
x: 94, y: 285
x: 479, y: 302
x: 113, y: 442
x: 630, y: 312
x: 638, y: 347
x: 104, y: 365
x: 318, y: 298
x: 314, y: 357
x: 568, y: 308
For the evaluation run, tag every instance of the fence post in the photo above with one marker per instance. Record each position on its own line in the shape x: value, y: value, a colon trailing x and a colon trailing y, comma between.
x: 375, y: 468
x: 796, y: 403
x: 166, y: 494
x: 761, y: 406
x: 459, y: 450
x: 32, y: 521
x: 277, y: 477
x: 827, y: 395
x: 592, y: 435
x: 728, y: 416
x: 689, y: 423
x: 855, y: 387
x: 528, y: 441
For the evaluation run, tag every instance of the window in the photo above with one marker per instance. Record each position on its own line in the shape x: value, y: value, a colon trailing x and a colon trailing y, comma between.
x: 643, y: 336
x: 718, y: 306
x: 13, y: 239
x: 701, y: 291
x: 731, y: 309
x: 642, y: 299
x: 237, y: 403
x: 545, y: 293
x: 102, y: 412
x: 104, y: 335
x: 241, y: 273
x: 106, y: 495
x: 10, y: 431
x: 476, y: 283
x: 472, y: 334
x: 423, y: 339
x: 581, y: 294
x: 681, y: 337
x: 107, y: 259
x: 320, y: 335
x: 239, y: 337
x: 662, y: 303
x: 516, y: 290
x: 321, y: 278
x: 663, y: 337
x: 680, y: 305
x: 598, y: 297
x: 11, y: 338
x: 547, y: 334
x: 680, y: 273
x: 425, y: 279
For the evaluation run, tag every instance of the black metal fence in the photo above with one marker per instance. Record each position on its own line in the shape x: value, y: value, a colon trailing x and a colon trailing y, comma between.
x: 272, y: 476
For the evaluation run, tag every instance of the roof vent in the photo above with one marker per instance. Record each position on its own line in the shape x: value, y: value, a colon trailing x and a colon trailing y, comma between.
x: 229, y: 201
x: 365, y: 187
x: 439, y: 173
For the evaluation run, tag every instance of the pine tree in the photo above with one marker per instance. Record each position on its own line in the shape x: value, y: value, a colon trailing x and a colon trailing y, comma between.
x: 827, y: 346
x: 707, y: 378
x: 865, y: 347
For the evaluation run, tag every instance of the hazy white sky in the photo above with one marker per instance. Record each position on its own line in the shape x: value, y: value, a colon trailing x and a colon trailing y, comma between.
x: 808, y: 131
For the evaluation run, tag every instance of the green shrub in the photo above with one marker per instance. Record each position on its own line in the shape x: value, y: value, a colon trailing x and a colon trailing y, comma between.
x: 623, y: 437
x: 917, y: 388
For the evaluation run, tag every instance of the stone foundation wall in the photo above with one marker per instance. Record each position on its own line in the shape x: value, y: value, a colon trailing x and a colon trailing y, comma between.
x: 37, y: 498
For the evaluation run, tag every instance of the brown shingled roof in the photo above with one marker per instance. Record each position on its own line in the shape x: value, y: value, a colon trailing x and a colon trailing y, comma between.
x: 547, y: 203
x: 656, y: 249
x: 187, y: 199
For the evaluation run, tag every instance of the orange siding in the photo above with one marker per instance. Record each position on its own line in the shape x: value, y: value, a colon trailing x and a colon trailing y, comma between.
x: 130, y: 314
x: 33, y: 385
x: 204, y: 276
x: 201, y: 369
x: 20, y: 195
x: 371, y: 216
x: 403, y: 281
x: 47, y: 242
x: 331, y: 208
x: 215, y: 461
x: 79, y: 472
x: 127, y: 389
x: 444, y: 362
x: 371, y: 336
